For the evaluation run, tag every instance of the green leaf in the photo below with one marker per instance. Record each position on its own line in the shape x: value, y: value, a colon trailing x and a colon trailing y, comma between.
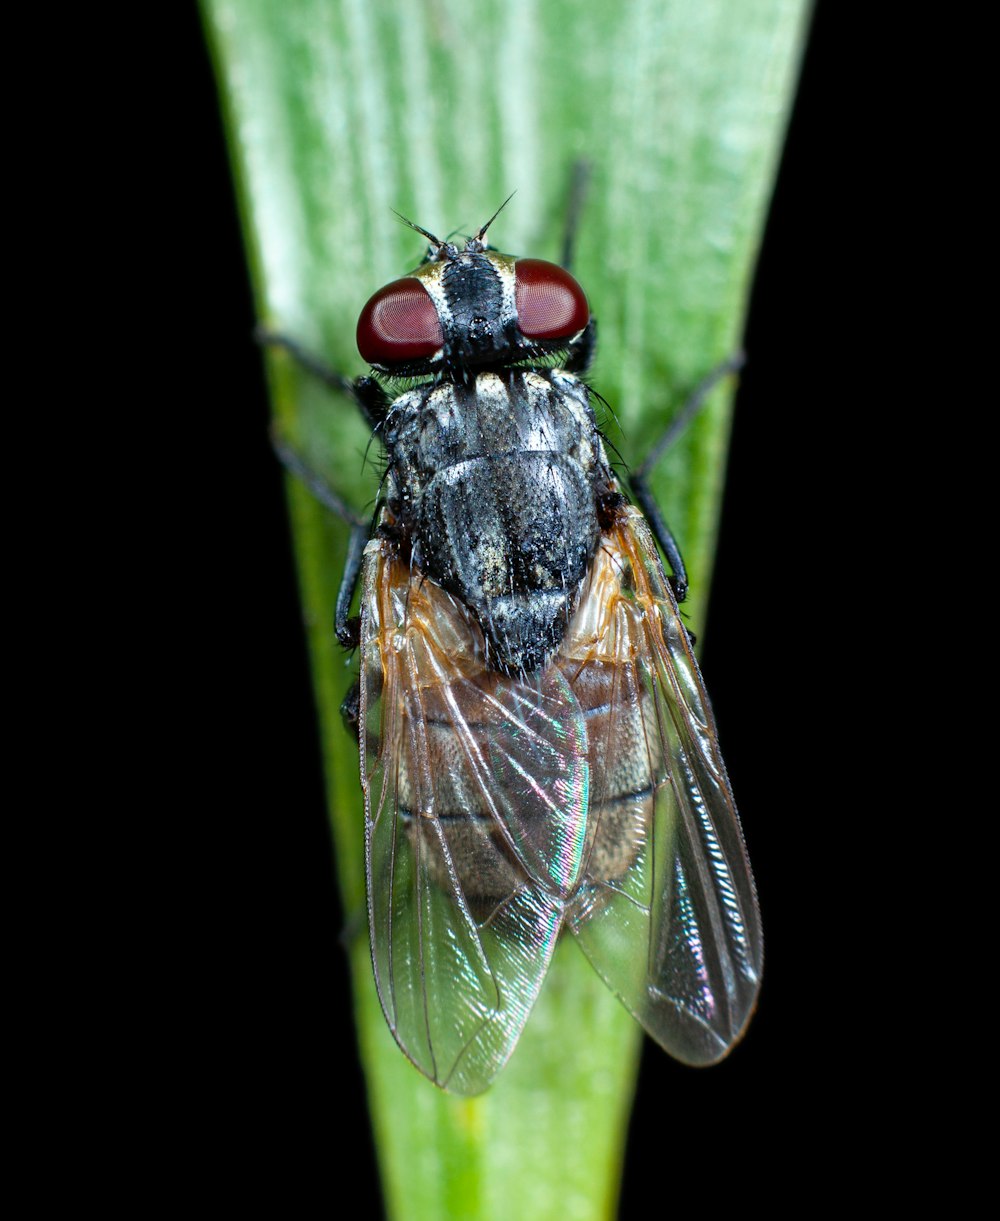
x: 338, y: 112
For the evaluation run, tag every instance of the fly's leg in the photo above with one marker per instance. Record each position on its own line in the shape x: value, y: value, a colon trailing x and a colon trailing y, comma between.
x: 581, y: 350
x: 374, y: 404
x: 350, y: 709
x: 578, y: 186
x: 639, y: 478
x: 366, y: 393
x: 346, y: 626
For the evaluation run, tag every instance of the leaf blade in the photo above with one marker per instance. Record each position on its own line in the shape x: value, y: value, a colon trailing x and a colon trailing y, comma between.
x: 341, y: 111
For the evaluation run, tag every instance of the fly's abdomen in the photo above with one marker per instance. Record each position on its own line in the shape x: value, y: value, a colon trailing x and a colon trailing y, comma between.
x: 505, y: 782
x: 592, y: 785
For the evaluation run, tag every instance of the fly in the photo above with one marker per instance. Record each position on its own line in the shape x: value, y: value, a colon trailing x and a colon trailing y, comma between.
x: 538, y: 753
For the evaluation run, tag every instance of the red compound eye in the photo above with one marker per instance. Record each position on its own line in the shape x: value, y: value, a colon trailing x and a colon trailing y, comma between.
x: 550, y: 303
x: 399, y: 325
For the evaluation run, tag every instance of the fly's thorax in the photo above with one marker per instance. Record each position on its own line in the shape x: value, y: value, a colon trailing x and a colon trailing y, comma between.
x: 496, y: 483
x: 544, y: 411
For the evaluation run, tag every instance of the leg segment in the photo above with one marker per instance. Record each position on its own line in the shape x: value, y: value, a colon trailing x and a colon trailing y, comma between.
x: 346, y: 627
x: 579, y: 182
x: 369, y: 396
x: 374, y: 404
x: 639, y: 478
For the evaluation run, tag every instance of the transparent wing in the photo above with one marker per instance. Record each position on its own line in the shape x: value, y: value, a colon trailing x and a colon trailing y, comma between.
x: 666, y: 909
x: 476, y: 799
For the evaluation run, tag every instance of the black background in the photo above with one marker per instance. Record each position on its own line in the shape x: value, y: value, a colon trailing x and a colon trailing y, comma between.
x: 266, y: 1007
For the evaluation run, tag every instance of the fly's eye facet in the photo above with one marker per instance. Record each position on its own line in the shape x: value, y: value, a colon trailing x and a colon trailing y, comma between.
x: 550, y: 303
x: 400, y: 324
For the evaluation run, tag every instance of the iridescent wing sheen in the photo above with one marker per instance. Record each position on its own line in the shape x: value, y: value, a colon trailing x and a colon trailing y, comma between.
x: 476, y: 805
x: 666, y: 908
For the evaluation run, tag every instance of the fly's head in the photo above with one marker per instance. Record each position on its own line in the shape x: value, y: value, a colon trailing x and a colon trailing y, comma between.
x: 463, y: 311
